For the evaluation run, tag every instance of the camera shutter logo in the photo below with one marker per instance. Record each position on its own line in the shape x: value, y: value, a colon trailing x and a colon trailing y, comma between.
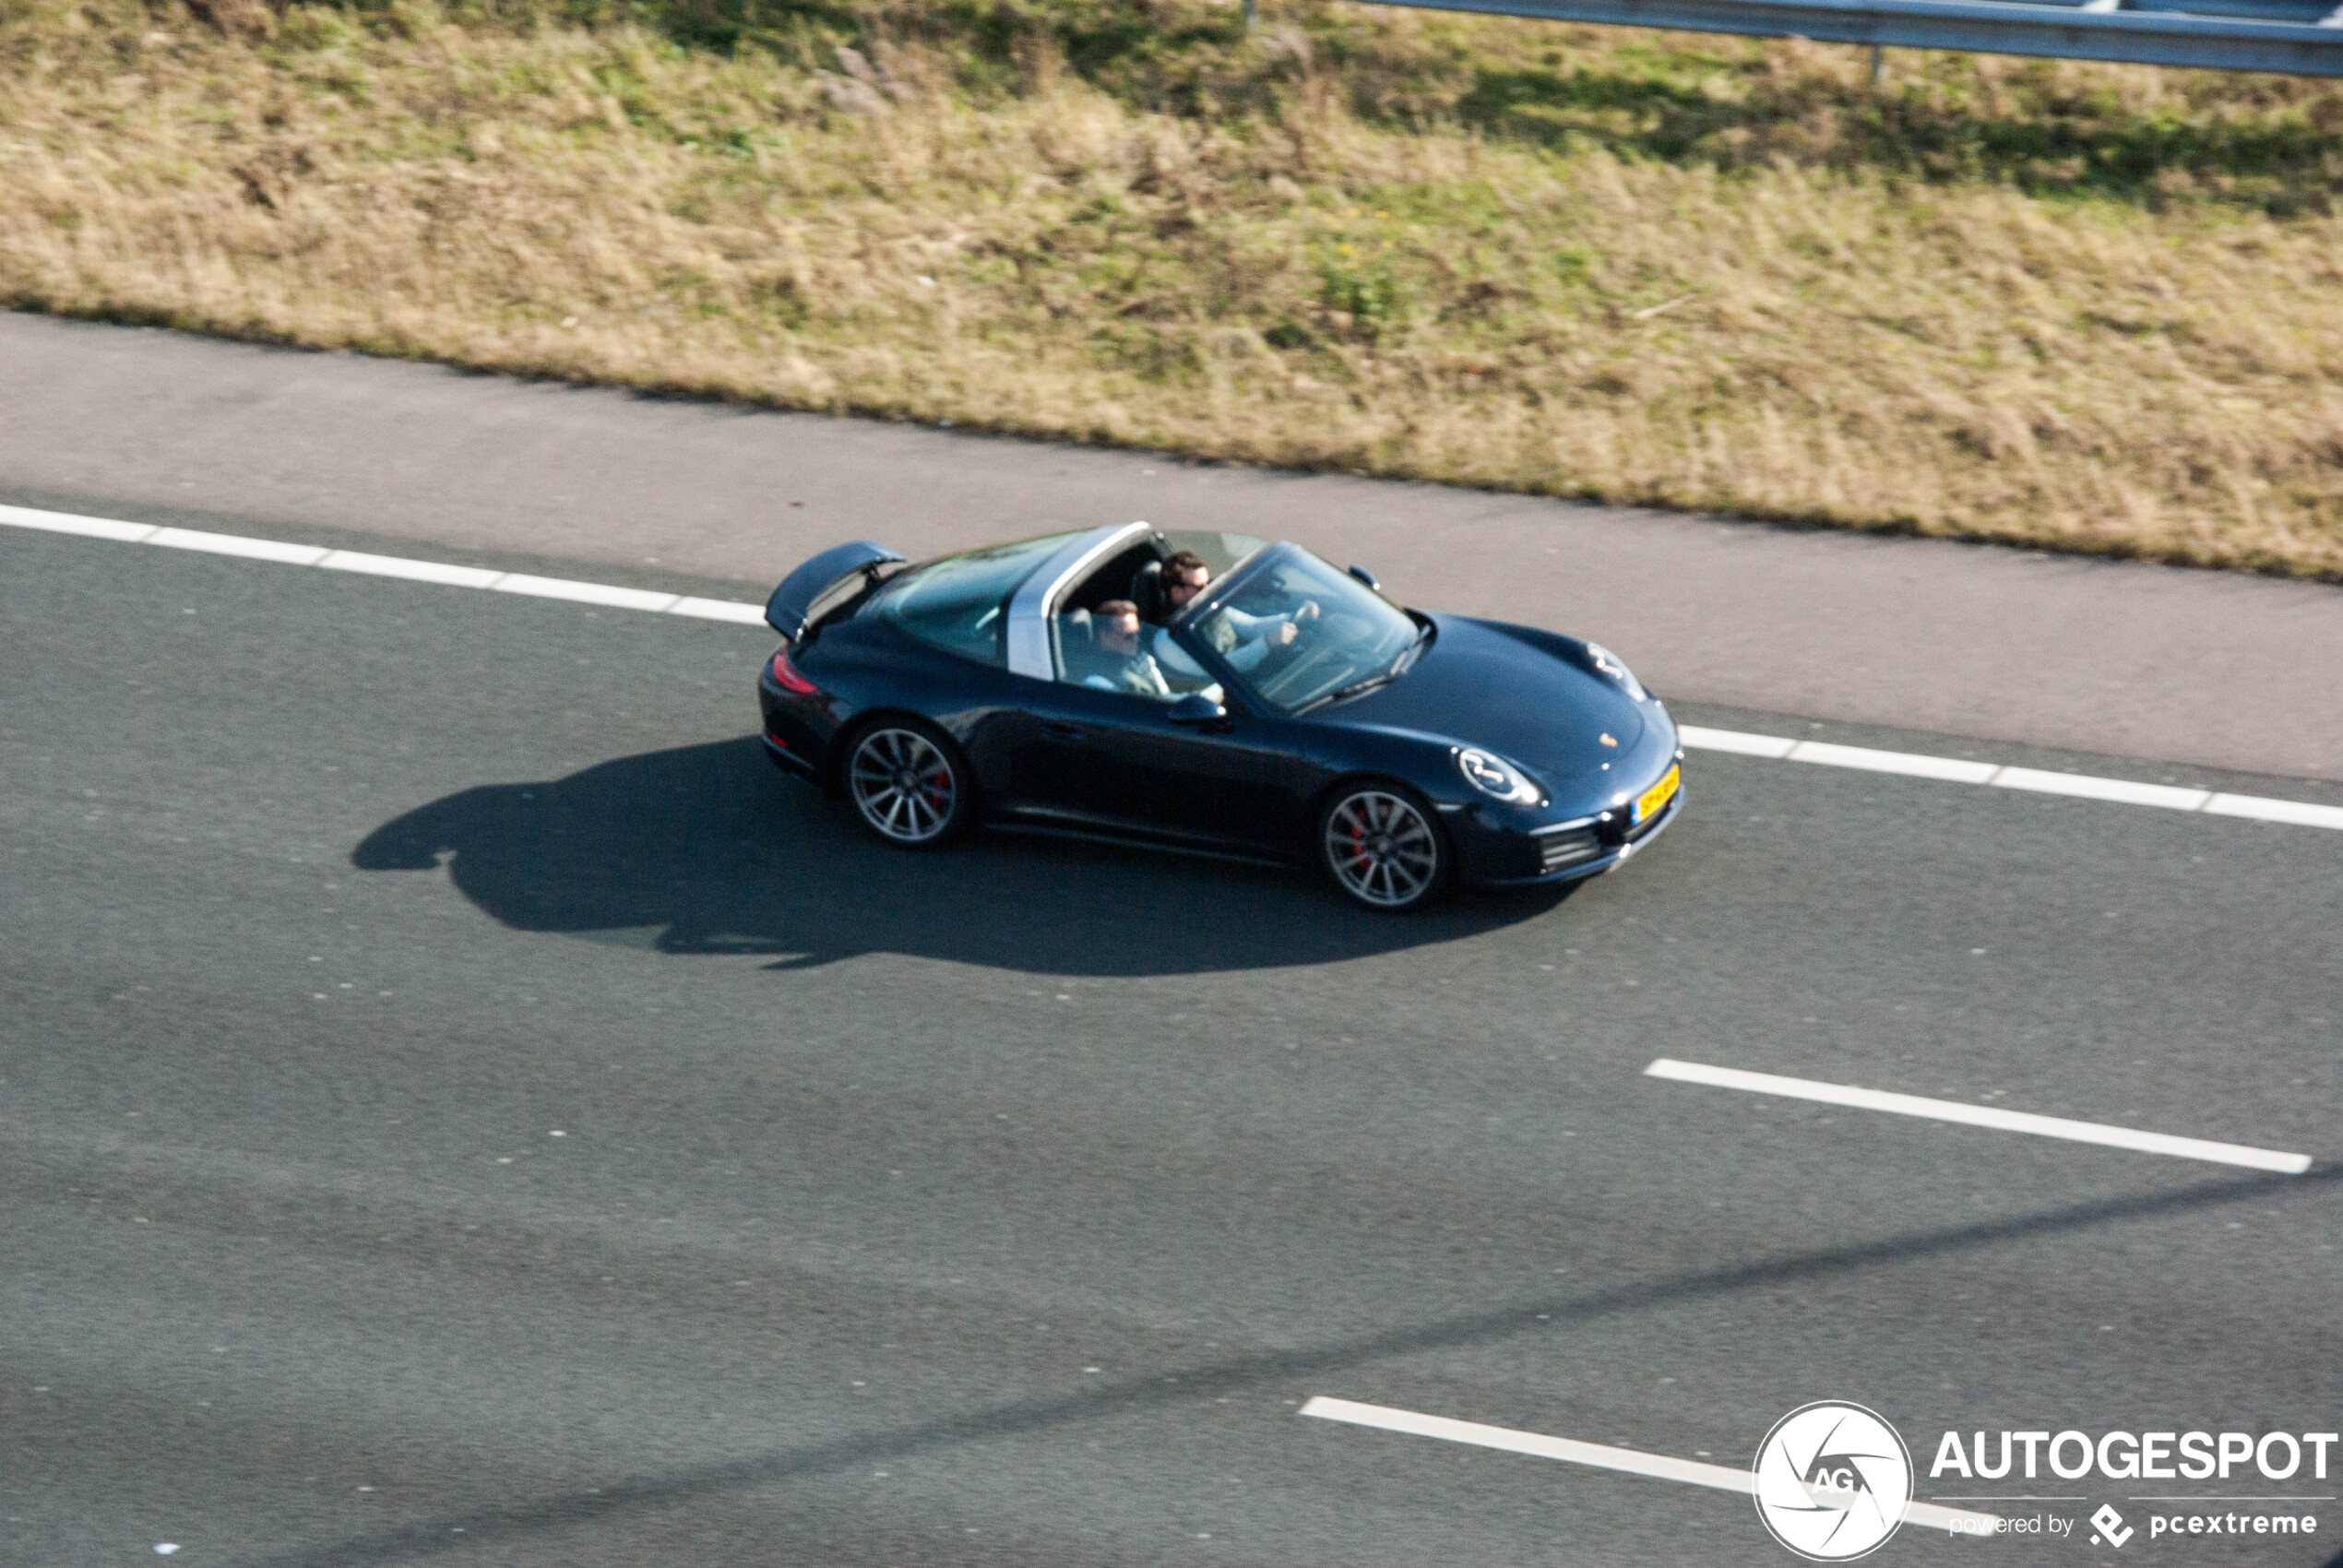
x: 1832, y: 1481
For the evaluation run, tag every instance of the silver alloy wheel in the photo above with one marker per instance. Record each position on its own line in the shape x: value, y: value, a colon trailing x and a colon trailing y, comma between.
x: 1381, y: 849
x: 903, y: 785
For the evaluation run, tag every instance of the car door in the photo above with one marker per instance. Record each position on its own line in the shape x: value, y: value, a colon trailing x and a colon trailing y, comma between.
x: 1092, y: 756
x: 1221, y: 787
x: 1057, y: 766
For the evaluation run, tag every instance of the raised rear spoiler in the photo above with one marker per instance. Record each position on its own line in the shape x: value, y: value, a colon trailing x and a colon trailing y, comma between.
x: 793, y: 603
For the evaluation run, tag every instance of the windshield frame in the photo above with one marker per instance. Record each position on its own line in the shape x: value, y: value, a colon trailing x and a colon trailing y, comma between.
x: 1183, y: 628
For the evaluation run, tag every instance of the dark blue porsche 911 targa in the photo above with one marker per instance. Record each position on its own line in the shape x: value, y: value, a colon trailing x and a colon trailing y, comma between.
x: 1210, y: 691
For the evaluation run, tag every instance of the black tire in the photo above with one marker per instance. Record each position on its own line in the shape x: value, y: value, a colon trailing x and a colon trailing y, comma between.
x: 1381, y: 846
x: 908, y: 783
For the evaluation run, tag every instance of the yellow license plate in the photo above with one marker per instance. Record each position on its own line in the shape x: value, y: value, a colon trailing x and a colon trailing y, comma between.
x: 1659, y: 795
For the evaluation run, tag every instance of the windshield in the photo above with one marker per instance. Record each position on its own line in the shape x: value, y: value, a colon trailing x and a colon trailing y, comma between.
x: 1221, y: 553
x: 1300, y: 632
x: 960, y: 603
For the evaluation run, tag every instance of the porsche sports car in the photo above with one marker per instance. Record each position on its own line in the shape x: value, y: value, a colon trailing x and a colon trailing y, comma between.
x: 1283, y: 711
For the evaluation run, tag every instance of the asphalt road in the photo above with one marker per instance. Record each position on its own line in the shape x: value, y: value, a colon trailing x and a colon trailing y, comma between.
x: 2205, y: 668
x: 457, y: 1105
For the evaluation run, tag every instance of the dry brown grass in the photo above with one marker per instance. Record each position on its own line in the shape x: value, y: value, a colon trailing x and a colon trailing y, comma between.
x: 1291, y: 280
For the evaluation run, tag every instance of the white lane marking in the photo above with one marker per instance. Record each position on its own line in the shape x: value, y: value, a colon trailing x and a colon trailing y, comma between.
x: 720, y: 609
x: 440, y: 571
x: 1740, y: 741
x: 1915, y: 764
x: 236, y: 544
x: 413, y: 571
x: 65, y: 522
x: 582, y: 593
x: 1658, y: 1466
x: 2260, y: 808
x: 1980, y: 1116
x: 2125, y: 791
x: 1959, y: 770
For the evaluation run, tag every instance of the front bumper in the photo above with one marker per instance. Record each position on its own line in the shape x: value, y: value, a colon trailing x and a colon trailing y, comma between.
x: 1493, y: 853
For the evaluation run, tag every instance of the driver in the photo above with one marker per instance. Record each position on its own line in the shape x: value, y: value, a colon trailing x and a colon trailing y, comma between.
x: 1240, y: 638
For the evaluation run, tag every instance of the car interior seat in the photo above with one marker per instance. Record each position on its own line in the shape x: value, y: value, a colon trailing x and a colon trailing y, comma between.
x: 1079, y: 654
x: 1147, y: 592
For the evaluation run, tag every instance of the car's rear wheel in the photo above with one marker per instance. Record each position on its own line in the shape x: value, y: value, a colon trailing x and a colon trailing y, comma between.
x: 1380, y: 845
x: 908, y: 783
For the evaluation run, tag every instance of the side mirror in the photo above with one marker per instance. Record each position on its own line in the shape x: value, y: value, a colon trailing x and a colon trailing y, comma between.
x: 1367, y: 577
x: 1197, y: 709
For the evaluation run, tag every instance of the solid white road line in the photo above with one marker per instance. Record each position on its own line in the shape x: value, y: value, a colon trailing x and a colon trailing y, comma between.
x: 583, y: 593
x: 720, y: 609
x: 1959, y: 770
x: 439, y: 572
x: 1919, y: 764
x: 236, y: 544
x: 65, y: 522
x: 2262, y: 809
x: 1724, y: 1477
x: 1740, y: 741
x: 1980, y: 1116
x: 413, y: 571
x: 1952, y: 769
x: 2125, y: 791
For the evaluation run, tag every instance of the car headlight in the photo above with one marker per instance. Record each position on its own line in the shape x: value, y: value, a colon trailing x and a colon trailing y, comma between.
x: 1494, y: 776
x: 1616, y: 668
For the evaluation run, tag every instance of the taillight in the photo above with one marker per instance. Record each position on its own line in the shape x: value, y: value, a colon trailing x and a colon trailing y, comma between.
x: 785, y: 675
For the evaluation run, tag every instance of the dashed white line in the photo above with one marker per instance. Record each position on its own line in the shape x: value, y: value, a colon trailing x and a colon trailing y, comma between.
x: 1918, y: 765
x: 1980, y: 1116
x: 1658, y: 1466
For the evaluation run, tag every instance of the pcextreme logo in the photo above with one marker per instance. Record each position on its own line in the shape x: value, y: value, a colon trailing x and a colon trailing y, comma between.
x: 1832, y: 1481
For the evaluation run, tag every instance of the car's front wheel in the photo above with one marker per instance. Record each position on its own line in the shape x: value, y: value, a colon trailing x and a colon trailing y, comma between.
x: 1382, y: 848
x: 908, y: 783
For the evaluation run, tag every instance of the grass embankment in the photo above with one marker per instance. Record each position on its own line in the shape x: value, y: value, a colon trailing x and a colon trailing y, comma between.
x: 2093, y: 307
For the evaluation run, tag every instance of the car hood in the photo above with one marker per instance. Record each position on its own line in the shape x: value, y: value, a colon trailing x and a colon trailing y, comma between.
x: 1480, y: 685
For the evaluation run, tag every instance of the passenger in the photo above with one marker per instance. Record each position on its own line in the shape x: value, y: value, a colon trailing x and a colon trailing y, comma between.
x: 1129, y: 668
x: 1243, y: 640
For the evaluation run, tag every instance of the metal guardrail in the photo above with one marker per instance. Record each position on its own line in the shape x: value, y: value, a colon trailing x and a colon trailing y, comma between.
x: 2299, y: 37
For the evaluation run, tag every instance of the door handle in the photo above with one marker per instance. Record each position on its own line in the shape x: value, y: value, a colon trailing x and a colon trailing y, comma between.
x: 1056, y: 731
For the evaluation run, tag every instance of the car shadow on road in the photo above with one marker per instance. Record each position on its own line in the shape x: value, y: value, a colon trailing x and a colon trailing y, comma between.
x: 707, y: 850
